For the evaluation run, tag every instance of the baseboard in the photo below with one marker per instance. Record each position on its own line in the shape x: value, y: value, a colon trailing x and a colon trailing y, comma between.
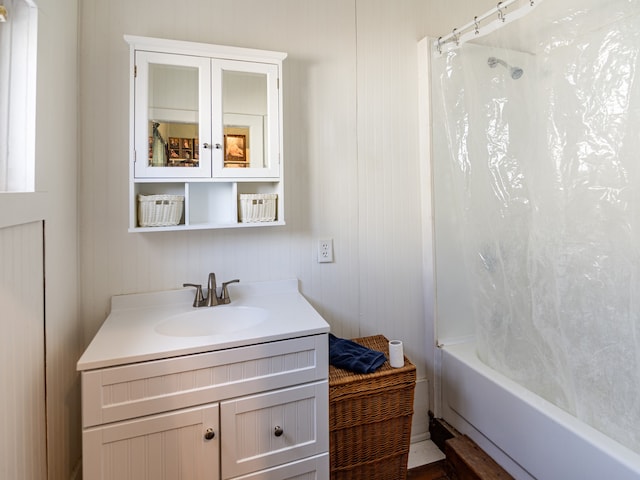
x: 464, y: 458
x: 440, y: 431
x: 469, y: 461
x: 76, y: 473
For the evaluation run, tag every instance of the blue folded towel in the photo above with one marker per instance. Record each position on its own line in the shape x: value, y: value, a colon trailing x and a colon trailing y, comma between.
x: 353, y: 357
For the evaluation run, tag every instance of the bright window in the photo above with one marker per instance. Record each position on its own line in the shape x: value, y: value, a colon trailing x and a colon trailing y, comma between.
x: 18, y: 47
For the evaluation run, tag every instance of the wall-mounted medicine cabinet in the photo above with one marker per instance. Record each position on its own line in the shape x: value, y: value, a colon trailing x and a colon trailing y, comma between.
x: 206, y: 136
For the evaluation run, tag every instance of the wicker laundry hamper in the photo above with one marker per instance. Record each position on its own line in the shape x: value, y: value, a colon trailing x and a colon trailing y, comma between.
x: 370, y: 419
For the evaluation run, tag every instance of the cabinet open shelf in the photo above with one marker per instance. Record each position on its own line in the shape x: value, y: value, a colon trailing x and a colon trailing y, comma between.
x: 207, y: 205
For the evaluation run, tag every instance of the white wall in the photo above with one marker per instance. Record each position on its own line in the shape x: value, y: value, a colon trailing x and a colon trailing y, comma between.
x: 55, y: 202
x: 350, y: 161
x: 352, y: 169
x: 351, y: 145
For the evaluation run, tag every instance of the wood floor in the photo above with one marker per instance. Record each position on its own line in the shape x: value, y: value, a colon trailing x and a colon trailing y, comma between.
x: 464, y: 459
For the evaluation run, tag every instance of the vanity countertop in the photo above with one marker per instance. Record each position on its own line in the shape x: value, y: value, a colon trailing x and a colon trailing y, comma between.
x: 129, y: 333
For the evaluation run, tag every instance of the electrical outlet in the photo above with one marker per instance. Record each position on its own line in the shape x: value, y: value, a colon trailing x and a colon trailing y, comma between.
x: 325, y: 250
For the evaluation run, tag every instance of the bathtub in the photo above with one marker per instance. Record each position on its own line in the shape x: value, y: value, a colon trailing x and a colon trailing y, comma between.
x: 530, y: 437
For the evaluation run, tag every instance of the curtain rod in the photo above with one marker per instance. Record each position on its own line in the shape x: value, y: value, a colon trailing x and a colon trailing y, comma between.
x: 500, y: 8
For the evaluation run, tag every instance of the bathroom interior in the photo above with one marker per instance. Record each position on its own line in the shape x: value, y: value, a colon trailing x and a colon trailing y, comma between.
x: 385, y: 107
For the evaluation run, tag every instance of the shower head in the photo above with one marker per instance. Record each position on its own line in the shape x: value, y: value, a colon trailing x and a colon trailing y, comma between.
x: 515, y: 72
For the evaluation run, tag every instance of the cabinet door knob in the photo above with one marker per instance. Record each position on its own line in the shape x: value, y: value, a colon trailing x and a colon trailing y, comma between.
x: 209, y: 434
x: 217, y: 146
x: 278, y: 431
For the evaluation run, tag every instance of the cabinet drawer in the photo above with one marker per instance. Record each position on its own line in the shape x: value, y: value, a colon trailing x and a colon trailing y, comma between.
x: 274, y: 428
x: 314, y: 468
x: 130, y: 391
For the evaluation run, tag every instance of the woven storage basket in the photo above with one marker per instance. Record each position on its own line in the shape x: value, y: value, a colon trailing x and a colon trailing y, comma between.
x: 159, y: 210
x: 257, y: 207
x: 370, y: 419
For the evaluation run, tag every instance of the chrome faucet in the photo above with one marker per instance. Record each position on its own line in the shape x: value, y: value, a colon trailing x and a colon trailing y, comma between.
x: 212, y: 289
x: 212, y: 299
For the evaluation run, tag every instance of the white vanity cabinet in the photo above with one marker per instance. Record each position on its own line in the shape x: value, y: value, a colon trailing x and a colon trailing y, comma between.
x: 252, y: 412
x: 206, y: 125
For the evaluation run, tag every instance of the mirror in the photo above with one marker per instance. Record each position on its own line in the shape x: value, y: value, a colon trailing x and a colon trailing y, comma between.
x: 173, y: 127
x: 244, y: 104
x: 173, y: 116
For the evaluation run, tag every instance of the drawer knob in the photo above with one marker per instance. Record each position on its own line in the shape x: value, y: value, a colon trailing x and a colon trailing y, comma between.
x: 278, y: 431
x: 209, y: 434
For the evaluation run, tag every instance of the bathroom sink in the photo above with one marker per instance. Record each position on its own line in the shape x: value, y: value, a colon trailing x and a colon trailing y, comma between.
x: 159, y: 325
x: 209, y: 321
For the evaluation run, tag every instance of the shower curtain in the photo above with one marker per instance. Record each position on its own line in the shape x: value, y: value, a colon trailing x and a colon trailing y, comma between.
x: 537, y: 203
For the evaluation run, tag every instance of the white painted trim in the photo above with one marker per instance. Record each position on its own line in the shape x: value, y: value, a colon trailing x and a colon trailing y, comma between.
x: 205, y: 49
x: 428, y: 263
x: 18, y: 208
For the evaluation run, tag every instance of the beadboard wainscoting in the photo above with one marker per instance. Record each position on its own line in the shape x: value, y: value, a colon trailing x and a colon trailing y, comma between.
x: 23, y: 450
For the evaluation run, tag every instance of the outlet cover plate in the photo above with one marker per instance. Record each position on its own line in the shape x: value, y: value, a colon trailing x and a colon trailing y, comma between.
x: 325, y: 250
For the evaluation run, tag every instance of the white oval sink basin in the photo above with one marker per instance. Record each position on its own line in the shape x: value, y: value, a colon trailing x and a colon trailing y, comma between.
x: 212, y: 321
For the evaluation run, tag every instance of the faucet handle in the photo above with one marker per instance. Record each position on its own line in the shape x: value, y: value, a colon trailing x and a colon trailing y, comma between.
x: 224, y: 296
x: 199, y: 298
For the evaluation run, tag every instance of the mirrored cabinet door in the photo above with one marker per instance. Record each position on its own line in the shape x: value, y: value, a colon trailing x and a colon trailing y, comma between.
x: 246, y: 119
x: 172, y: 116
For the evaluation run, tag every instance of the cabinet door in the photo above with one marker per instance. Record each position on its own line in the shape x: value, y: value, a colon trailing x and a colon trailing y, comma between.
x: 174, y: 445
x: 172, y: 124
x: 274, y: 428
x: 246, y: 119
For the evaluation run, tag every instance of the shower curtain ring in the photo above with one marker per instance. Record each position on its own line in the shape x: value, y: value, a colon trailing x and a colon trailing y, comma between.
x: 475, y: 23
x: 439, y: 46
x: 456, y: 37
x: 500, y: 13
